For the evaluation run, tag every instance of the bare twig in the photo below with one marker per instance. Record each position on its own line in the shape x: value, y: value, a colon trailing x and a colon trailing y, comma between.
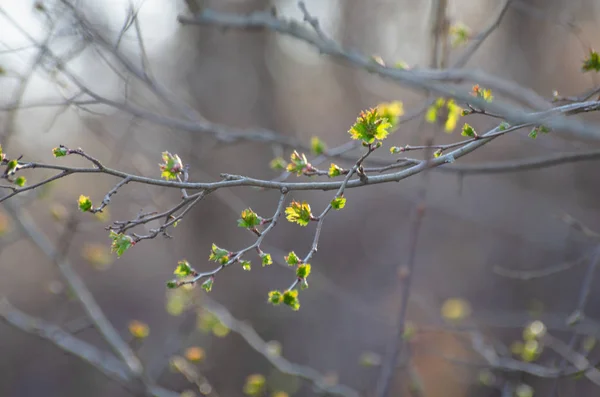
x: 526, y: 275
x: 481, y: 37
x: 568, y: 351
x: 102, y: 361
x: 79, y: 289
x: 258, y: 344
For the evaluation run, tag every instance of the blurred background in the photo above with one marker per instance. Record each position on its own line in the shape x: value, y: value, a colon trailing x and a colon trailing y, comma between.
x: 474, y: 224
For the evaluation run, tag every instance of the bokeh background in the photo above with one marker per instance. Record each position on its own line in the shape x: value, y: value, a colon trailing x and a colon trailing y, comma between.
x: 259, y: 79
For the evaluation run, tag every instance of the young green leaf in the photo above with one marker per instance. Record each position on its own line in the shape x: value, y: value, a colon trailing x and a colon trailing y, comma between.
x: 249, y: 219
x: 334, y: 171
x: 401, y: 65
x: 183, y: 269
x: 120, y: 243
x: 454, y: 114
x: 303, y: 284
x: 468, y: 131
x: 278, y: 163
x: 483, y: 93
x: 275, y: 297
x: 433, y: 110
x: 369, y: 126
x: 60, y: 151
x: 298, y: 163
x: 338, y: 203
x: 392, y: 111
x: 438, y: 153
x: 246, y: 265
x: 207, y: 284
x: 292, y: 259
x: 171, y: 166
x: 299, y: 213
x: 460, y: 34
x: 503, y: 126
x: 12, y: 167
x: 266, y: 259
x: 290, y: 298
x: 20, y: 181
x: 533, y: 133
x: 255, y: 385
x: 538, y: 129
x: 303, y: 270
x: 219, y: 255
x: 592, y: 62
x: 172, y: 284
x: 317, y: 146
x: 84, y: 203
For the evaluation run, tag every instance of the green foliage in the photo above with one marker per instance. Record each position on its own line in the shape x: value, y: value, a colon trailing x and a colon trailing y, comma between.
x: 171, y: 166
x: 299, y: 213
x: 292, y: 259
x: 207, y: 284
x: 396, y: 149
x: 454, y: 114
x: 410, y: 331
x: 455, y: 309
x: 524, y: 390
x: 338, y: 203
x: 120, y: 242
x: 392, y: 111
x: 84, y: 203
x: 298, y: 163
x: 460, y: 34
x: 432, y: 112
x: 401, y: 65
x: 246, y: 265
x: 503, y: 126
x: 60, y: 151
x: 303, y: 284
x: 218, y: 255
x: 255, y: 385
x: 438, y: 153
x: 12, y: 167
x: 592, y: 62
x: 20, y: 181
x: 369, y: 126
x: 334, y: 171
x: 317, y: 146
x: 303, y: 270
x: 290, y: 298
x: 266, y: 259
x: 468, y: 131
x: 183, y: 269
x: 537, y: 130
x: 171, y: 284
x: 249, y: 219
x: 483, y: 93
x: 278, y: 164
x: 534, y: 330
x: 275, y: 297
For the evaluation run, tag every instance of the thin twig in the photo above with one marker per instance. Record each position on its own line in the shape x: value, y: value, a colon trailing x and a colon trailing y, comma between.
x: 102, y: 361
x: 258, y: 344
x: 79, y: 289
